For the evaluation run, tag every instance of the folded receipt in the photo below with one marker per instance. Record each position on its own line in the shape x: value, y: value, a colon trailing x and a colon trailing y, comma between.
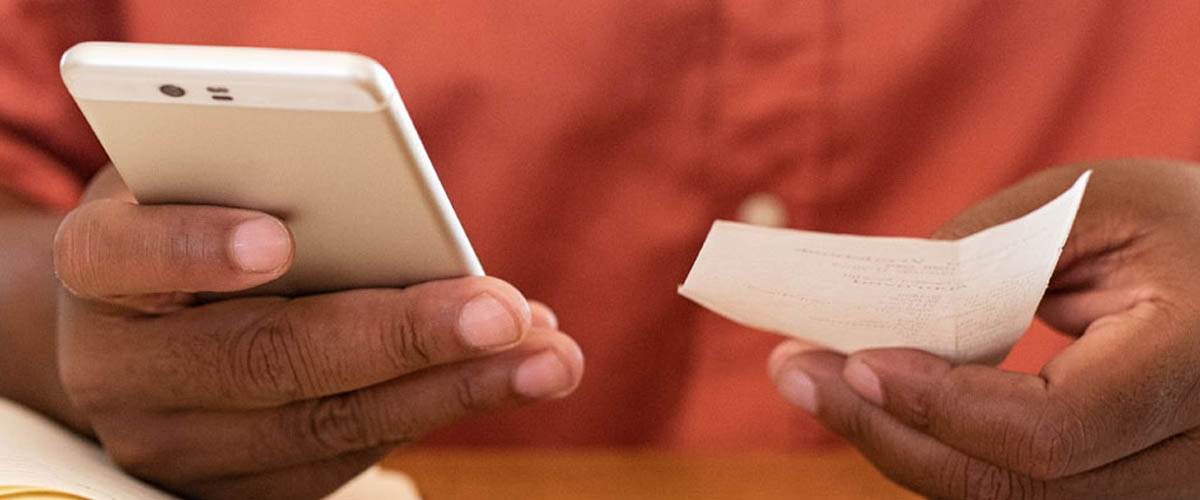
x: 966, y: 300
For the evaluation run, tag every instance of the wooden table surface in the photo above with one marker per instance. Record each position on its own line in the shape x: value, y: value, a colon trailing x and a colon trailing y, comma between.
x: 631, y: 475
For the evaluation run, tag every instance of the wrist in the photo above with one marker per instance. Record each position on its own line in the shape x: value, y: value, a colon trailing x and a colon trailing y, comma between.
x: 29, y: 370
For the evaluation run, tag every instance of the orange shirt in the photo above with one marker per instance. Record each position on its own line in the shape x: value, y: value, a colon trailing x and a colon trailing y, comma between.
x: 588, y: 144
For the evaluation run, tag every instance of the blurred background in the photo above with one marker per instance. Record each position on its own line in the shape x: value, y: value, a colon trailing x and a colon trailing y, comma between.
x: 588, y: 145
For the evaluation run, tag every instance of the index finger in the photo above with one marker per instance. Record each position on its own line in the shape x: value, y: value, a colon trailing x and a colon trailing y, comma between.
x: 922, y: 463
x: 1123, y: 387
x: 268, y: 351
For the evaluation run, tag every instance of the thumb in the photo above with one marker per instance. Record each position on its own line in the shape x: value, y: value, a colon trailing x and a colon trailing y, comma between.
x: 111, y: 249
x: 1129, y: 229
x: 1011, y: 203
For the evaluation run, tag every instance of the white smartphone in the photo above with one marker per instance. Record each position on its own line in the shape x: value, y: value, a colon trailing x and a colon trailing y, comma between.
x: 319, y: 139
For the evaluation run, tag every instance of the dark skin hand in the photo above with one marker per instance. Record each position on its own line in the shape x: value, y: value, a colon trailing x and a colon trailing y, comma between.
x: 263, y: 397
x: 27, y: 310
x: 1116, y: 415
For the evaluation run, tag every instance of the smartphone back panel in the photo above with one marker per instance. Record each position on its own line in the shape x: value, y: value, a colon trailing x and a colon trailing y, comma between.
x: 351, y: 181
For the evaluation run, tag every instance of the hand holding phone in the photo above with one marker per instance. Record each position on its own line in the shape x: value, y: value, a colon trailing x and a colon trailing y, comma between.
x: 268, y: 396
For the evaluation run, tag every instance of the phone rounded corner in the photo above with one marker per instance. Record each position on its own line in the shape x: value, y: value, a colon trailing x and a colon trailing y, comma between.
x: 72, y: 59
x: 370, y: 77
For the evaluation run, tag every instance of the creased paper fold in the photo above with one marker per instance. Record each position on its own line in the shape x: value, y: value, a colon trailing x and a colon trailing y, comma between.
x: 967, y: 300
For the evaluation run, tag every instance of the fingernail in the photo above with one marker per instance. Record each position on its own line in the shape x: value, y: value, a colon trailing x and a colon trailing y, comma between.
x: 785, y: 351
x: 863, y: 381
x: 485, y: 323
x: 542, y: 376
x: 261, y: 245
x: 796, y: 387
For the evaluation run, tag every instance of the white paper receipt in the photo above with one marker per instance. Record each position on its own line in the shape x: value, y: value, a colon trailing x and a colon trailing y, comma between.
x: 967, y: 300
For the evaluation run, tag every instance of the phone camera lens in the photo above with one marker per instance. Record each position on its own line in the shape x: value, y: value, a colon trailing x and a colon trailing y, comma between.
x: 172, y: 90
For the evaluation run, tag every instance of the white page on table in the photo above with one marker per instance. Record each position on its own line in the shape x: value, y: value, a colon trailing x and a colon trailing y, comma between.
x: 35, y: 451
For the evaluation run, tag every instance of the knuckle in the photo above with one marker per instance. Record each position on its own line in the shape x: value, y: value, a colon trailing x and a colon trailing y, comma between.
x: 994, y: 483
x: 471, y: 395
x: 188, y: 248
x: 1041, y: 444
x: 985, y: 482
x: 404, y: 342
x: 934, y: 409
x: 859, y: 424
x: 920, y: 408
x: 951, y: 473
x: 1045, y: 448
x: 336, y: 424
x: 268, y: 361
x: 972, y: 479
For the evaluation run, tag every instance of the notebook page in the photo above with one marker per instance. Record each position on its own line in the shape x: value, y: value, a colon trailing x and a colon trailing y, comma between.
x: 36, y: 452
